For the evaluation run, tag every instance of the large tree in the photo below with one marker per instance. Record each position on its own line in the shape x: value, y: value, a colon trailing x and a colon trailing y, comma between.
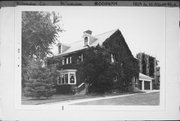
x: 39, y: 31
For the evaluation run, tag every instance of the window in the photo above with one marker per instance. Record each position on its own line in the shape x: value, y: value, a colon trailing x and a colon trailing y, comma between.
x: 70, y: 59
x: 81, y: 57
x: 115, y: 79
x: 112, y: 58
x: 59, y: 80
x: 85, y: 41
x: 72, y: 78
x: 62, y: 79
x: 63, y: 62
x: 66, y: 78
x: 67, y: 60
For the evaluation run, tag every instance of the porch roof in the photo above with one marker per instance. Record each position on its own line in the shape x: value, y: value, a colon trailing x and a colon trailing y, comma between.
x: 144, y: 77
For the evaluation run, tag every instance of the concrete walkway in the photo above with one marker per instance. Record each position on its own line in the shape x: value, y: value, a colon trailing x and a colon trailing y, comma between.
x: 70, y: 102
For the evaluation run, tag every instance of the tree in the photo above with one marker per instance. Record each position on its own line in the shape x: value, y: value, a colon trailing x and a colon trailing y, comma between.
x: 40, y: 82
x: 39, y: 31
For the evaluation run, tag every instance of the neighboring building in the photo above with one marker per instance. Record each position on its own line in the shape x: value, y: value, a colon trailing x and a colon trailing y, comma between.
x: 145, y: 82
x: 70, y: 56
x: 148, y: 65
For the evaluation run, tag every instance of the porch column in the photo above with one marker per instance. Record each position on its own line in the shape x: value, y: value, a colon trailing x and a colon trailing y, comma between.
x: 151, y: 85
x: 68, y: 78
x: 142, y: 85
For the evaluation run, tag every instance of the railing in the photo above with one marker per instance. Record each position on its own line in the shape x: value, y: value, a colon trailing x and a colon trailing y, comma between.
x: 80, y: 87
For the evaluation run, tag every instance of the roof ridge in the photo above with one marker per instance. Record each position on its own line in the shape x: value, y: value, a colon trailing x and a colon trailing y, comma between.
x: 95, y: 35
x: 106, y: 32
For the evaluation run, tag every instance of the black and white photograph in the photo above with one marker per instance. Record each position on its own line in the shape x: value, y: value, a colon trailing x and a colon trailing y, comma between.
x: 89, y: 60
x: 92, y: 56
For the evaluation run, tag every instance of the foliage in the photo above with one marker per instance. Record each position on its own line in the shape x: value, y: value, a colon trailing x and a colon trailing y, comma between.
x: 39, y: 31
x: 94, y: 69
x: 40, y: 81
x: 151, y: 66
x: 125, y: 66
x: 99, y: 72
x: 147, y: 63
x: 144, y: 64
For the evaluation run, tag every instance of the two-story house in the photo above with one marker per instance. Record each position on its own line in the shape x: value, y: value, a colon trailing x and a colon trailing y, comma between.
x: 70, y: 56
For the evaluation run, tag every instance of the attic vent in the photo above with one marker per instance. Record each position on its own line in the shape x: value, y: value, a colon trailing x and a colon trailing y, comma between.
x: 86, y: 41
x: 87, y: 35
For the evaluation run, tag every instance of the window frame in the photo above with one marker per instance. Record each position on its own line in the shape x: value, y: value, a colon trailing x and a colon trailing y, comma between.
x: 64, y: 78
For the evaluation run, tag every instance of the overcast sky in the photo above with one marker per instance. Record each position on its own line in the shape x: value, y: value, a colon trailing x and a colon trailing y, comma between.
x: 143, y: 28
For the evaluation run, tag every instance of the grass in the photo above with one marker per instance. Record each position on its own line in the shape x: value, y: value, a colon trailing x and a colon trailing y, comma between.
x: 138, y: 99
x: 60, y: 98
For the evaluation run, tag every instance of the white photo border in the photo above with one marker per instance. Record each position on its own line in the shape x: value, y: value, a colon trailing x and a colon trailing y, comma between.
x: 18, y: 52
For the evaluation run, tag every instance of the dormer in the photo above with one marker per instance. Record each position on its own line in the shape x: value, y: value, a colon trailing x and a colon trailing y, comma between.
x: 88, y: 38
x: 59, y: 48
x: 62, y: 48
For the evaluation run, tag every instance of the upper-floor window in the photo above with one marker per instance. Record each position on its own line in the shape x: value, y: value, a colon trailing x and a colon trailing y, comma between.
x: 63, y: 62
x: 86, y: 41
x: 70, y: 59
x: 112, y: 58
x: 67, y: 60
x: 80, y: 58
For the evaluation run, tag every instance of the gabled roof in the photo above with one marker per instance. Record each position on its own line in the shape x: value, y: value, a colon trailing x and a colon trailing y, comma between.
x: 79, y: 45
x: 144, y: 77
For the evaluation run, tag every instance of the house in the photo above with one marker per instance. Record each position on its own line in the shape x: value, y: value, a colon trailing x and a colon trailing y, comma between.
x: 70, y: 56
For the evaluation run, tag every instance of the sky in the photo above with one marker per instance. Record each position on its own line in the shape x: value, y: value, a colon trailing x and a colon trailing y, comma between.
x: 143, y: 28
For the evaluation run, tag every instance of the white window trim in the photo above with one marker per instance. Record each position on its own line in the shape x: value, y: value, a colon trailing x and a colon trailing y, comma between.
x: 64, y: 73
x: 82, y: 58
x: 74, y: 78
x: 87, y: 41
x: 67, y: 60
x: 70, y: 59
x: 112, y: 58
x: 63, y: 62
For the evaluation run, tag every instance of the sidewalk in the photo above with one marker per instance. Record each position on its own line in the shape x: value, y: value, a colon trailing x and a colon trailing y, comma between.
x: 151, y: 91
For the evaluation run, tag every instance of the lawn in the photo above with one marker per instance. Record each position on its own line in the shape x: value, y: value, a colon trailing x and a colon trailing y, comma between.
x: 138, y: 99
x: 60, y: 98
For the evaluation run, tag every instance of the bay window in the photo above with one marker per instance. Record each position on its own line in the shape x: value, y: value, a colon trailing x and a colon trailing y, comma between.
x: 67, y: 76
